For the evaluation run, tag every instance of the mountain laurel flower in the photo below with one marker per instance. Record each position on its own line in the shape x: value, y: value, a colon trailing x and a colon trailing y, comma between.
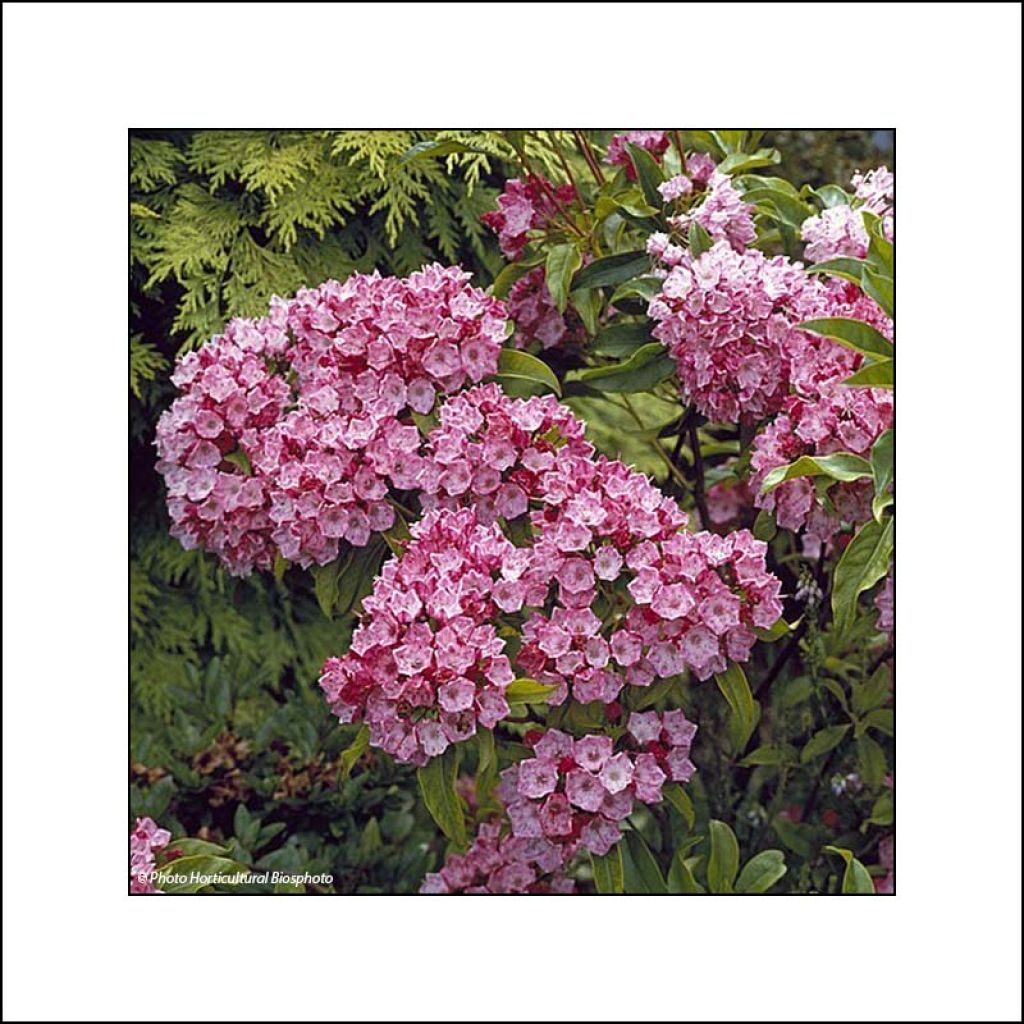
x: 524, y: 207
x: 721, y: 212
x: 144, y: 841
x: 426, y: 664
x: 494, y: 452
x: 654, y: 141
x: 290, y: 431
x: 847, y: 419
x: 532, y: 309
x: 497, y: 865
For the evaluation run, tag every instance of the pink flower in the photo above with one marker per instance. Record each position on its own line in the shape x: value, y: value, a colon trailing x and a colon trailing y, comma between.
x: 144, y: 841
x: 532, y: 309
x: 655, y: 142
x: 524, y: 207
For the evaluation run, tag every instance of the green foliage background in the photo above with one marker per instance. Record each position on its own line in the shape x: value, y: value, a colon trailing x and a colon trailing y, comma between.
x: 230, y: 738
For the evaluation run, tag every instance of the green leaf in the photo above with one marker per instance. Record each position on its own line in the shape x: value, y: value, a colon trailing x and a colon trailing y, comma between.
x: 881, y: 288
x: 325, y: 583
x: 647, y: 875
x: 354, y: 751
x: 202, y: 864
x: 486, y: 755
x: 437, y: 784
x: 737, y: 163
x: 724, y: 861
x: 613, y: 270
x: 771, y: 753
x: 856, y: 880
x: 874, y: 375
x: 882, y: 719
x: 852, y: 334
x: 609, y: 877
x: 680, y: 877
x: 642, y: 288
x: 528, y: 691
x: 823, y: 741
x: 562, y: 262
x: 864, y: 562
x: 776, y: 632
x: 872, y: 693
x: 871, y: 758
x: 882, y: 470
x: 587, y: 302
x: 761, y: 872
x: 779, y: 204
x: 882, y: 810
x: 745, y: 710
x: 646, y: 367
x: 507, y: 276
x: 680, y: 800
x: 247, y: 828
x: 846, y: 267
x: 702, y: 142
x: 648, y: 174
x: 356, y: 579
x: 764, y: 526
x: 698, y: 239
x: 838, y: 466
x: 621, y: 339
x: 830, y: 196
x: 522, y: 366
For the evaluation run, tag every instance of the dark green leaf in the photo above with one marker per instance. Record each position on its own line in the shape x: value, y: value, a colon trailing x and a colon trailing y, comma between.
x: 354, y: 751
x: 698, y: 239
x: 621, y: 339
x: 680, y: 800
x: 745, y: 710
x: 613, y: 270
x: 648, y: 173
x: 724, y: 861
x: 646, y: 367
x: 842, y: 266
x: 871, y: 759
x: 608, y: 872
x: 437, y: 784
x: 771, y: 753
x: 680, y: 877
x: 737, y: 163
x: 646, y: 872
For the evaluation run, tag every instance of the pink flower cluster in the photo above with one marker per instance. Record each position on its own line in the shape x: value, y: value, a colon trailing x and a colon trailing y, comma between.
x: 502, y: 865
x: 837, y: 231
x: 494, y: 451
x: 655, y: 142
x: 727, y: 318
x: 727, y: 500
x: 523, y: 207
x: 291, y: 431
x: 532, y: 309
x: 573, y: 793
x: 607, y: 540
x: 884, y: 604
x: 721, y: 212
x: 848, y: 419
x: 426, y: 664
x: 143, y: 843
x: 840, y: 230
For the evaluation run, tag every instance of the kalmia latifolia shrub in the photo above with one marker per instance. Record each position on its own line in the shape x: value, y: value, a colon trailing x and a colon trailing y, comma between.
x: 680, y: 511
x: 292, y: 431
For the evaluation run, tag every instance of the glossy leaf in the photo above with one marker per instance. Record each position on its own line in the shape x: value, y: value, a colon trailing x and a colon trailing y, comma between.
x: 698, y: 239
x: 852, y: 334
x: 437, y: 784
x: 874, y: 375
x: 621, y: 339
x: 354, y: 751
x: 521, y: 365
x: 646, y: 367
x: 864, y: 562
x: 843, y: 466
x: 562, y: 262
x: 677, y: 796
x: 745, y: 710
x: 648, y: 174
x: 646, y: 870
x: 823, y: 741
x: 613, y: 270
